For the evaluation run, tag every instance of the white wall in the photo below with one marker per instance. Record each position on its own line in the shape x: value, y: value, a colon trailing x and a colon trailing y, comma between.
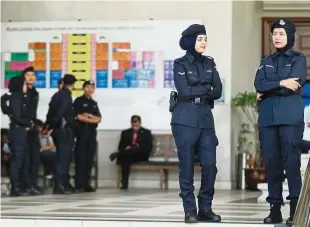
x: 217, y: 17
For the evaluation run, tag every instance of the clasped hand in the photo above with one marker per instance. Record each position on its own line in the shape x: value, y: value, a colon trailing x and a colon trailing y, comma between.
x: 291, y: 83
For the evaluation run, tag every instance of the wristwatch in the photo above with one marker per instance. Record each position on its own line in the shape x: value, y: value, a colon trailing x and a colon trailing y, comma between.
x: 281, y: 83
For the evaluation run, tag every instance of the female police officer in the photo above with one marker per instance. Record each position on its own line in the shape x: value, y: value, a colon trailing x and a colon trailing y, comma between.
x: 198, y: 84
x: 281, y: 121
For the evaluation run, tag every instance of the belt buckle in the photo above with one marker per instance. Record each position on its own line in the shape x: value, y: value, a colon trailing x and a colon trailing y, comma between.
x: 197, y: 100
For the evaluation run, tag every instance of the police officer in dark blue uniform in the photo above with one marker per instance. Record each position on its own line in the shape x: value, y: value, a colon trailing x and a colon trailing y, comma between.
x: 281, y: 117
x: 60, y: 122
x: 198, y: 84
x: 33, y: 133
x: 20, y: 124
x: 88, y: 117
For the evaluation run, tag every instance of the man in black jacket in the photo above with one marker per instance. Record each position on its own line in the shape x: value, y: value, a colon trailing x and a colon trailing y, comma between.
x: 33, y: 134
x: 60, y: 122
x: 20, y: 124
x: 135, y: 145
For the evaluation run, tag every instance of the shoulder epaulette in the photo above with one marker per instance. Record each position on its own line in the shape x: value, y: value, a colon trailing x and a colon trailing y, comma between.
x: 298, y: 53
x: 179, y: 59
x: 210, y: 58
x: 266, y: 56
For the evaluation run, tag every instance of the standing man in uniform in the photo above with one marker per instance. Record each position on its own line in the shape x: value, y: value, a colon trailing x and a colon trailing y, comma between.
x: 60, y: 122
x: 33, y: 133
x: 198, y: 84
x: 281, y: 117
x: 20, y: 124
x: 88, y: 117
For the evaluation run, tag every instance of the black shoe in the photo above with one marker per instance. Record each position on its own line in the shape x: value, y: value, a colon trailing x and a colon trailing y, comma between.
x: 89, y: 188
x: 15, y: 192
x: 191, y: 217
x: 60, y: 190
x: 275, y: 215
x: 124, y: 188
x: 34, y: 191
x: 293, y: 205
x: 39, y: 189
x: 208, y: 216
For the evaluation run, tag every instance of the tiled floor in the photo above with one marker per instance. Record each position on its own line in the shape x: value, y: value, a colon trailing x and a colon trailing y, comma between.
x: 142, y: 205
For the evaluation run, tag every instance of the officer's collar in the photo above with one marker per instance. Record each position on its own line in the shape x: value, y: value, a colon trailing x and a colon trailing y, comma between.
x: 66, y: 89
x: 190, y: 57
x: 287, y: 53
x: 87, y: 97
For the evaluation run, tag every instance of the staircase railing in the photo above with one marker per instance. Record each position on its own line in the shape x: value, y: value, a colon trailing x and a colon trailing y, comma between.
x: 302, y: 214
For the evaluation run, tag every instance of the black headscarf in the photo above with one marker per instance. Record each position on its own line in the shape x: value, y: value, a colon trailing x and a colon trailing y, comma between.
x: 290, y: 30
x: 189, y: 36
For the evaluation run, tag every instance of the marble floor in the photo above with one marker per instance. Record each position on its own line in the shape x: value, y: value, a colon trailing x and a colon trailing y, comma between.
x: 141, y: 205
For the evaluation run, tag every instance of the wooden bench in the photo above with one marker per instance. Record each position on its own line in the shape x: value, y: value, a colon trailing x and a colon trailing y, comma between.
x: 163, y: 167
x: 163, y: 159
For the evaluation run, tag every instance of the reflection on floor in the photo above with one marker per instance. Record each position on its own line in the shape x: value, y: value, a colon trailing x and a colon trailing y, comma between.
x: 134, y: 205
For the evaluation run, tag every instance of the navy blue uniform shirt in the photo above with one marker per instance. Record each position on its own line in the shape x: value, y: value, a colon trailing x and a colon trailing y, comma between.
x: 286, y: 107
x: 20, y: 110
x: 84, y: 104
x: 60, y: 107
x: 196, y: 78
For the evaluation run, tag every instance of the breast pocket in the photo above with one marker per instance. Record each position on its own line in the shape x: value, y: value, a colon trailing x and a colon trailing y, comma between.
x: 270, y: 73
x: 192, y: 77
x: 286, y: 70
x: 206, y: 78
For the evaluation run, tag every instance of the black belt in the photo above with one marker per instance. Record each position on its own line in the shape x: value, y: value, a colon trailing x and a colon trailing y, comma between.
x: 197, y: 100
x: 265, y: 96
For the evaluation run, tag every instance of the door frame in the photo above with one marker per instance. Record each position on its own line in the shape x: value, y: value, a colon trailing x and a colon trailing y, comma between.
x: 271, y: 20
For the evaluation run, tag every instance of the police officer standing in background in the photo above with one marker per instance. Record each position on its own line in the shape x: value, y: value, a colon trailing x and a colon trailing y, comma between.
x: 60, y: 122
x: 198, y: 84
x: 20, y: 124
x: 88, y: 117
x: 33, y: 133
x: 278, y: 83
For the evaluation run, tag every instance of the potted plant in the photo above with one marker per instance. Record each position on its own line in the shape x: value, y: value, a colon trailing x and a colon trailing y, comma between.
x: 248, y: 141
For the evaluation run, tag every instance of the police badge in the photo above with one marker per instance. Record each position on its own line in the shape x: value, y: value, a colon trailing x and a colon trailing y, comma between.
x: 282, y: 22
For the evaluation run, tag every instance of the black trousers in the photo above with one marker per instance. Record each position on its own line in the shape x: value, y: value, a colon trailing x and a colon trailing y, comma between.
x: 281, y: 152
x: 34, y: 155
x: 128, y: 157
x: 48, y: 159
x: 19, y: 174
x: 63, y: 139
x: 190, y: 142
x: 85, y: 149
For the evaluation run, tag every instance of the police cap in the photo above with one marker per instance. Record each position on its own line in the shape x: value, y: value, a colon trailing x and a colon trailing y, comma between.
x: 69, y: 79
x: 194, y: 30
x: 88, y: 82
x: 283, y: 23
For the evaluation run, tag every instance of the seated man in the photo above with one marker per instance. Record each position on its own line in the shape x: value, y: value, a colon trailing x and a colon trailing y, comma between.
x: 5, y: 151
x: 48, y: 150
x: 135, y: 145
